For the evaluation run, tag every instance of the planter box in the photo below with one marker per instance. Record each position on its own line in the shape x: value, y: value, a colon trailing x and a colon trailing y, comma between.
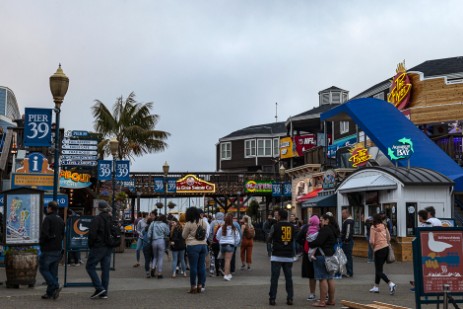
x: 21, y: 269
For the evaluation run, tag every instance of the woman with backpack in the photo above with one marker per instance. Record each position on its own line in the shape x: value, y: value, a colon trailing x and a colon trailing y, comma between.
x: 247, y: 242
x: 194, y: 233
x: 228, y: 237
x: 177, y: 246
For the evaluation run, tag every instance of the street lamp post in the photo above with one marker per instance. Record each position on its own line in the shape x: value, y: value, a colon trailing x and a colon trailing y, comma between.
x: 238, y: 194
x: 114, y: 146
x: 59, y: 84
x: 165, y: 169
x: 282, y: 172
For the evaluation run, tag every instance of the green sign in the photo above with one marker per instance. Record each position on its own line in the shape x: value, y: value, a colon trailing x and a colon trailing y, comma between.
x: 401, y: 151
x: 258, y: 186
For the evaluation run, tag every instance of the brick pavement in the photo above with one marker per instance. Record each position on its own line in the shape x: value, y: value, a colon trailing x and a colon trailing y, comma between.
x: 248, y: 289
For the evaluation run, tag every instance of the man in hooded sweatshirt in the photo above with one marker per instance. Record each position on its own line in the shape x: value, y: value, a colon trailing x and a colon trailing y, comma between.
x: 100, y: 251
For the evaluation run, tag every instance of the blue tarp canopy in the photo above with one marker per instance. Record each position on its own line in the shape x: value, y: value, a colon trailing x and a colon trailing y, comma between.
x: 384, y: 124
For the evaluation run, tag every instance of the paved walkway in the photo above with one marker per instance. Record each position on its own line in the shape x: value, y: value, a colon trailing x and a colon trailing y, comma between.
x: 247, y: 289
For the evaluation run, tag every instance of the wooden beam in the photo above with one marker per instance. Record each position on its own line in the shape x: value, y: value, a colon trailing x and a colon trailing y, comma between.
x: 390, y: 306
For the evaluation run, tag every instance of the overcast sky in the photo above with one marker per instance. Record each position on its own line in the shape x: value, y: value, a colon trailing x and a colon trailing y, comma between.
x: 213, y: 67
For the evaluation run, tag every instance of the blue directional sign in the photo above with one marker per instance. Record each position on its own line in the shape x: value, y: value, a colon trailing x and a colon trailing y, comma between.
x: 123, y: 170
x: 105, y: 168
x: 37, y: 127
x: 63, y: 200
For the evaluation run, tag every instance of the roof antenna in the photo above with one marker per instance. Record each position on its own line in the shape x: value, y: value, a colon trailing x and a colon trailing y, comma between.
x: 276, y: 111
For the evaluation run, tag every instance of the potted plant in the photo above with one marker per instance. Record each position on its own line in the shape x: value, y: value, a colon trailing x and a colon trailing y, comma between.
x: 171, y: 205
x: 21, y: 265
x: 159, y: 205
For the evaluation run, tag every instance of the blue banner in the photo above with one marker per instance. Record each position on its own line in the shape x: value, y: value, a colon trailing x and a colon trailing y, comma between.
x: 105, y: 168
x: 63, y: 200
x: 129, y: 184
x: 123, y: 170
x: 159, y: 185
x: 276, y: 189
x: 37, y: 127
x: 343, y: 142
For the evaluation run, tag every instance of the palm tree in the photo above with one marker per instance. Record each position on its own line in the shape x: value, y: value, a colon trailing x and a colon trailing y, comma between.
x: 132, y: 124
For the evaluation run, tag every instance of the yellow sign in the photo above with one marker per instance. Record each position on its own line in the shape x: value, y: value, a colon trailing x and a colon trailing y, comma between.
x: 286, y: 148
x: 359, y: 155
x: 33, y: 180
x: 399, y: 94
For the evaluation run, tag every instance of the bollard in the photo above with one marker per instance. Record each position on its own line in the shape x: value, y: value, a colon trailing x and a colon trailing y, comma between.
x: 446, y: 288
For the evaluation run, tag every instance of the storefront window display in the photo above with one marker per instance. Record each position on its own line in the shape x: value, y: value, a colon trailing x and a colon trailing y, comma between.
x: 358, y: 215
x: 391, y: 213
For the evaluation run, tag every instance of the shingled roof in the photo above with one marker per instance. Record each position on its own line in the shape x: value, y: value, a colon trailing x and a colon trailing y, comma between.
x: 273, y: 129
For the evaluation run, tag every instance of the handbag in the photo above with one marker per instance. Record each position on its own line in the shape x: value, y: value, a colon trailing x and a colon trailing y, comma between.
x: 390, y: 255
x: 332, y: 263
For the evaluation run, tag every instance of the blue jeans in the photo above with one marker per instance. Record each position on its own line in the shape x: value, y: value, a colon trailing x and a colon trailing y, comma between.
x: 287, y: 270
x: 48, y: 267
x: 138, y: 249
x: 147, y: 253
x: 197, y: 259
x: 347, y: 248
x: 100, y: 255
x: 176, y: 256
x: 159, y: 246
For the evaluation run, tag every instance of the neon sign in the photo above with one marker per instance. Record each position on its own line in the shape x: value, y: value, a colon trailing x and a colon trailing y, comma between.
x: 359, y: 155
x: 400, y: 91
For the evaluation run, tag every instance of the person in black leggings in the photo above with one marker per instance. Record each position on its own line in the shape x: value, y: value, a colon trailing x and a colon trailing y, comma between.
x: 379, y: 240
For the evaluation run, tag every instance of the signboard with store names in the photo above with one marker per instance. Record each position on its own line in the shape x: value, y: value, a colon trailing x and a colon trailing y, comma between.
x: 79, y: 149
x: 276, y: 189
x: 35, y: 181
x: 400, y: 91
x: 159, y: 185
x: 37, y: 127
x: 192, y: 184
x: 258, y: 186
x: 295, y: 146
x: 74, y: 180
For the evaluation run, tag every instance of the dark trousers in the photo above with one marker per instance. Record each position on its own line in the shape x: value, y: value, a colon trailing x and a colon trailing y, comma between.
x: 347, y: 248
x: 147, y: 253
x: 218, y: 263
x: 233, y: 262
x: 100, y: 255
x: 380, y: 260
x: 287, y: 270
x: 48, y: 267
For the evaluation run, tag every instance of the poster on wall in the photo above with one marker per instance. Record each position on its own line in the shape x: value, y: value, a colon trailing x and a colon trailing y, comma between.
x: 23, y: 217
x: 78, y: 228
x: 441, y: 251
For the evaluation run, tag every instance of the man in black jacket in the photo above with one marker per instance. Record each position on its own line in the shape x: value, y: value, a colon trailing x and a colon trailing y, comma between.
x: 100, y: 251
x: 51, y: 246
x: 282, y: 236
x: 347, y: 240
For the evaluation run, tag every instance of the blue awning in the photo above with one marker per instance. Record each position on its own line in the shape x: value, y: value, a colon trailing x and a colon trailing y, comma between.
x: 321, y: 201
x: 384, y: 124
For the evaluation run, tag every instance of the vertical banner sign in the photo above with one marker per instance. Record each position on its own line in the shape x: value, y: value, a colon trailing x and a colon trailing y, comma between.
x: 105, y: 169
x: 37, y: 127
x: 159, y: 185
x: 276, y: 189
x: 122, y: 170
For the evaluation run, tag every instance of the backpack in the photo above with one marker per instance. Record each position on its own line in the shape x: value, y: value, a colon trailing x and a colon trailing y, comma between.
x: 114, y: 239
x: 200, y: 233
x: 249, y: 233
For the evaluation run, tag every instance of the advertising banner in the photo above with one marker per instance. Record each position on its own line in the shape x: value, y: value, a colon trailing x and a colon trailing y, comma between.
x: 37, y: 127
x: 159, y: 185
x: 193, y: 184
x: 105, y: 168
x: 23, y: 213
x: 304, y: 142
x: 258, y: 186
x: 78, y: 228
x: 122, y: 170
x: 343, y: 142
x: 74, y: 180
x: 286, y: 148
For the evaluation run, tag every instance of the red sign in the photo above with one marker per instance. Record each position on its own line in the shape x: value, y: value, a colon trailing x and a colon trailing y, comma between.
x: 399, y: 93
x: 304, y: 142
x: 192, y: 184
x: 359, y: 155
x: 440, y: 260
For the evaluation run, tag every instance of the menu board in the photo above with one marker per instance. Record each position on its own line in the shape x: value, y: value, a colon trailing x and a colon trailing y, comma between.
x: 441, y: 253
x: 22, y: 216
x: 78, y: 228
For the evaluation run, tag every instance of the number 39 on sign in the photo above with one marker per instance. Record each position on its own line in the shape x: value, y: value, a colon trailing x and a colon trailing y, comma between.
x: 37, y: 127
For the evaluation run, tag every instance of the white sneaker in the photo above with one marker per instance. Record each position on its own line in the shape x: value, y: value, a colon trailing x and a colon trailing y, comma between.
x: 392, y: 287
x: 203, y: 290
x: 375, y: 289
x: 311, y: 297
x: 227, y: 277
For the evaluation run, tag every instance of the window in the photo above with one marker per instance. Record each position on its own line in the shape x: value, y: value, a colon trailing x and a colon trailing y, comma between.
x: 264, y: 147
x: 345, y: 97
x: 276, y: 147
x: 391, y: 213
x: 343, y: 127
x: 410, y: 215
x: 250, y: 148
x: 225, y: 151
x: 335, y: 97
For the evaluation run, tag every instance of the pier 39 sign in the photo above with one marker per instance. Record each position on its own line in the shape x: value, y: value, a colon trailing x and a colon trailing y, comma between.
x: 37, y: 127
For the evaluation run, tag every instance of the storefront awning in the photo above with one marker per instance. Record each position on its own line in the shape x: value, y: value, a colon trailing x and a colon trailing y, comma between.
x: 369, y: 183
x: 321, y: 201
x: 307, y: 196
